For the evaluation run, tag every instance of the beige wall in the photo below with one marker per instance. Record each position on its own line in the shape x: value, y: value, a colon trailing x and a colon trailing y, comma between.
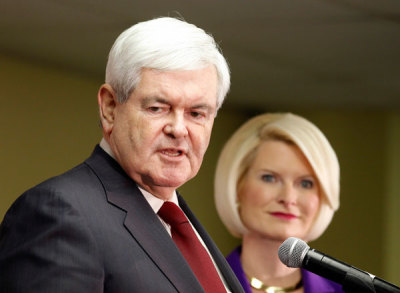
x: 356, y: 232
x: 49, y: 124
x: 391, y: 259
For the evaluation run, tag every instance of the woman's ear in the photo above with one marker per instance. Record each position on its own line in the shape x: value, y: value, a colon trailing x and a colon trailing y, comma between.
x: 107, y: 101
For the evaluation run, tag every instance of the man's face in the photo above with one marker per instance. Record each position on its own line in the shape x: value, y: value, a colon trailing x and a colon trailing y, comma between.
x: 159, y: 136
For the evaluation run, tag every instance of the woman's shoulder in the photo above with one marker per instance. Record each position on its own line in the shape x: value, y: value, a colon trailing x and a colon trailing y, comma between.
x: 233, y: 258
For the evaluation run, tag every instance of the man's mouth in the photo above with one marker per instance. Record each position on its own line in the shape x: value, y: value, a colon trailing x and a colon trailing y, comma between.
x: 172, y: 152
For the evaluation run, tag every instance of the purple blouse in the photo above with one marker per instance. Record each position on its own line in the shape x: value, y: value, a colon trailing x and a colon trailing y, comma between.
x: 312, y: 283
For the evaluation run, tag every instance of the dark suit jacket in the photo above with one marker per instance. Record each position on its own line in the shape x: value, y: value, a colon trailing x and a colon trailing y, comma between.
x: 91, y: 230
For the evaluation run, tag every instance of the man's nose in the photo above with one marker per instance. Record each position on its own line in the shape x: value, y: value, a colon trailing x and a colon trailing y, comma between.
x: 176, y: 126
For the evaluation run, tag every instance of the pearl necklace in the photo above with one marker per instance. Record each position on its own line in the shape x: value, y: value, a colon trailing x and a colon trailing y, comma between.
x: 257, y: 284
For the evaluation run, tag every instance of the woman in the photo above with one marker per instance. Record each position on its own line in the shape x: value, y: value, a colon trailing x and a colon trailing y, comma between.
x: 276, y: 177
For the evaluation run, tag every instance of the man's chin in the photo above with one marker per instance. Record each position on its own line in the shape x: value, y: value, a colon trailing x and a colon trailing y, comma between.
x: 170, y: 183
x: 172, y: 180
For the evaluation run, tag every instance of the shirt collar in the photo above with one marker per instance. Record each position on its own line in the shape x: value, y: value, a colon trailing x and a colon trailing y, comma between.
x: 156, y: 202
x: 106, y: 147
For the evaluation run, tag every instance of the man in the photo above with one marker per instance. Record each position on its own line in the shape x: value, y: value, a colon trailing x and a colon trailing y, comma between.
x: 96, y: 228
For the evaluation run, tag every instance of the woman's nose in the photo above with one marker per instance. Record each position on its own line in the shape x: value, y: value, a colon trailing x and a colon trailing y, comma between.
x: 287, y: 195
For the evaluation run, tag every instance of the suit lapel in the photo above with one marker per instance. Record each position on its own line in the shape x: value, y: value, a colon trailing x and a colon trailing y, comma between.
x: 142, y: 223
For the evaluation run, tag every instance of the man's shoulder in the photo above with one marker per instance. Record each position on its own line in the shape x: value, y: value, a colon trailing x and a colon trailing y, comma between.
x: 72, y: 178
x: 76, y: 177
x: 69, y: 184
x: 76, y: 189
x: 65, y: 185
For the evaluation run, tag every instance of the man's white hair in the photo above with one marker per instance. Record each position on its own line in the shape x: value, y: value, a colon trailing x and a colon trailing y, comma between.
x: 163, y: 44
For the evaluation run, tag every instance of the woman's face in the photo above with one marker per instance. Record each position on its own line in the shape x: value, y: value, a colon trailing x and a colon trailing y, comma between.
x: 279, y: 194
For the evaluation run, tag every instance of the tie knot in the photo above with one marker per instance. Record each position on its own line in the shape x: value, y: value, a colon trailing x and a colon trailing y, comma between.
x: 172, y: 214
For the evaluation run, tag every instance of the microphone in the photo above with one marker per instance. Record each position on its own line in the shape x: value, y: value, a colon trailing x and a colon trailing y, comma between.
x: 295, y: 253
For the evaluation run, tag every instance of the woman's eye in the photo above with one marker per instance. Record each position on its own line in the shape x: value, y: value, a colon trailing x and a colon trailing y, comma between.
x: 268, y: 178
x: 307, y: 184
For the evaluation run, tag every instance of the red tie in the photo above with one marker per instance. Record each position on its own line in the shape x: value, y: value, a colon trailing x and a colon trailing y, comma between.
x: 191, y: 248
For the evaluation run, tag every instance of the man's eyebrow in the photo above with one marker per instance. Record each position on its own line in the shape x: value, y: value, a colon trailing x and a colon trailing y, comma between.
x: 206, y: 107
x: 146, y: 102
x: 150, y: 100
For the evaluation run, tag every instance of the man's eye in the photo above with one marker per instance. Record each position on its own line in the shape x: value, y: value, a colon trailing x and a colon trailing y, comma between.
x: 195, y: 114
x: 155, y: 109
x: 268, y: 178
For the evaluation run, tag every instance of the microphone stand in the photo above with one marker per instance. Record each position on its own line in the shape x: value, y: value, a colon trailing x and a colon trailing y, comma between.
x: 357, y: 281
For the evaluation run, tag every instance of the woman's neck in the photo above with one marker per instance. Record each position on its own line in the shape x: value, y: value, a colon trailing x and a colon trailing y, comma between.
x: 260, y: 259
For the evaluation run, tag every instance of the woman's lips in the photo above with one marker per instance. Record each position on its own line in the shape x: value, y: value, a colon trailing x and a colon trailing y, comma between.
x: 284, y: 216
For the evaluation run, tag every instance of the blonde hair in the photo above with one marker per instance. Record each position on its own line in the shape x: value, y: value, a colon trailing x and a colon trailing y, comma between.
x: 306, y: 136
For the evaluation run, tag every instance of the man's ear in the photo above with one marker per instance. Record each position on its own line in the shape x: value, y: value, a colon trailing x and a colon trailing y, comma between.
x: 107, y: 101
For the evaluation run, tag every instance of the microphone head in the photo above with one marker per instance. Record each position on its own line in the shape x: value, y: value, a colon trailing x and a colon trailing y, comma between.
x: 292, y: 252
